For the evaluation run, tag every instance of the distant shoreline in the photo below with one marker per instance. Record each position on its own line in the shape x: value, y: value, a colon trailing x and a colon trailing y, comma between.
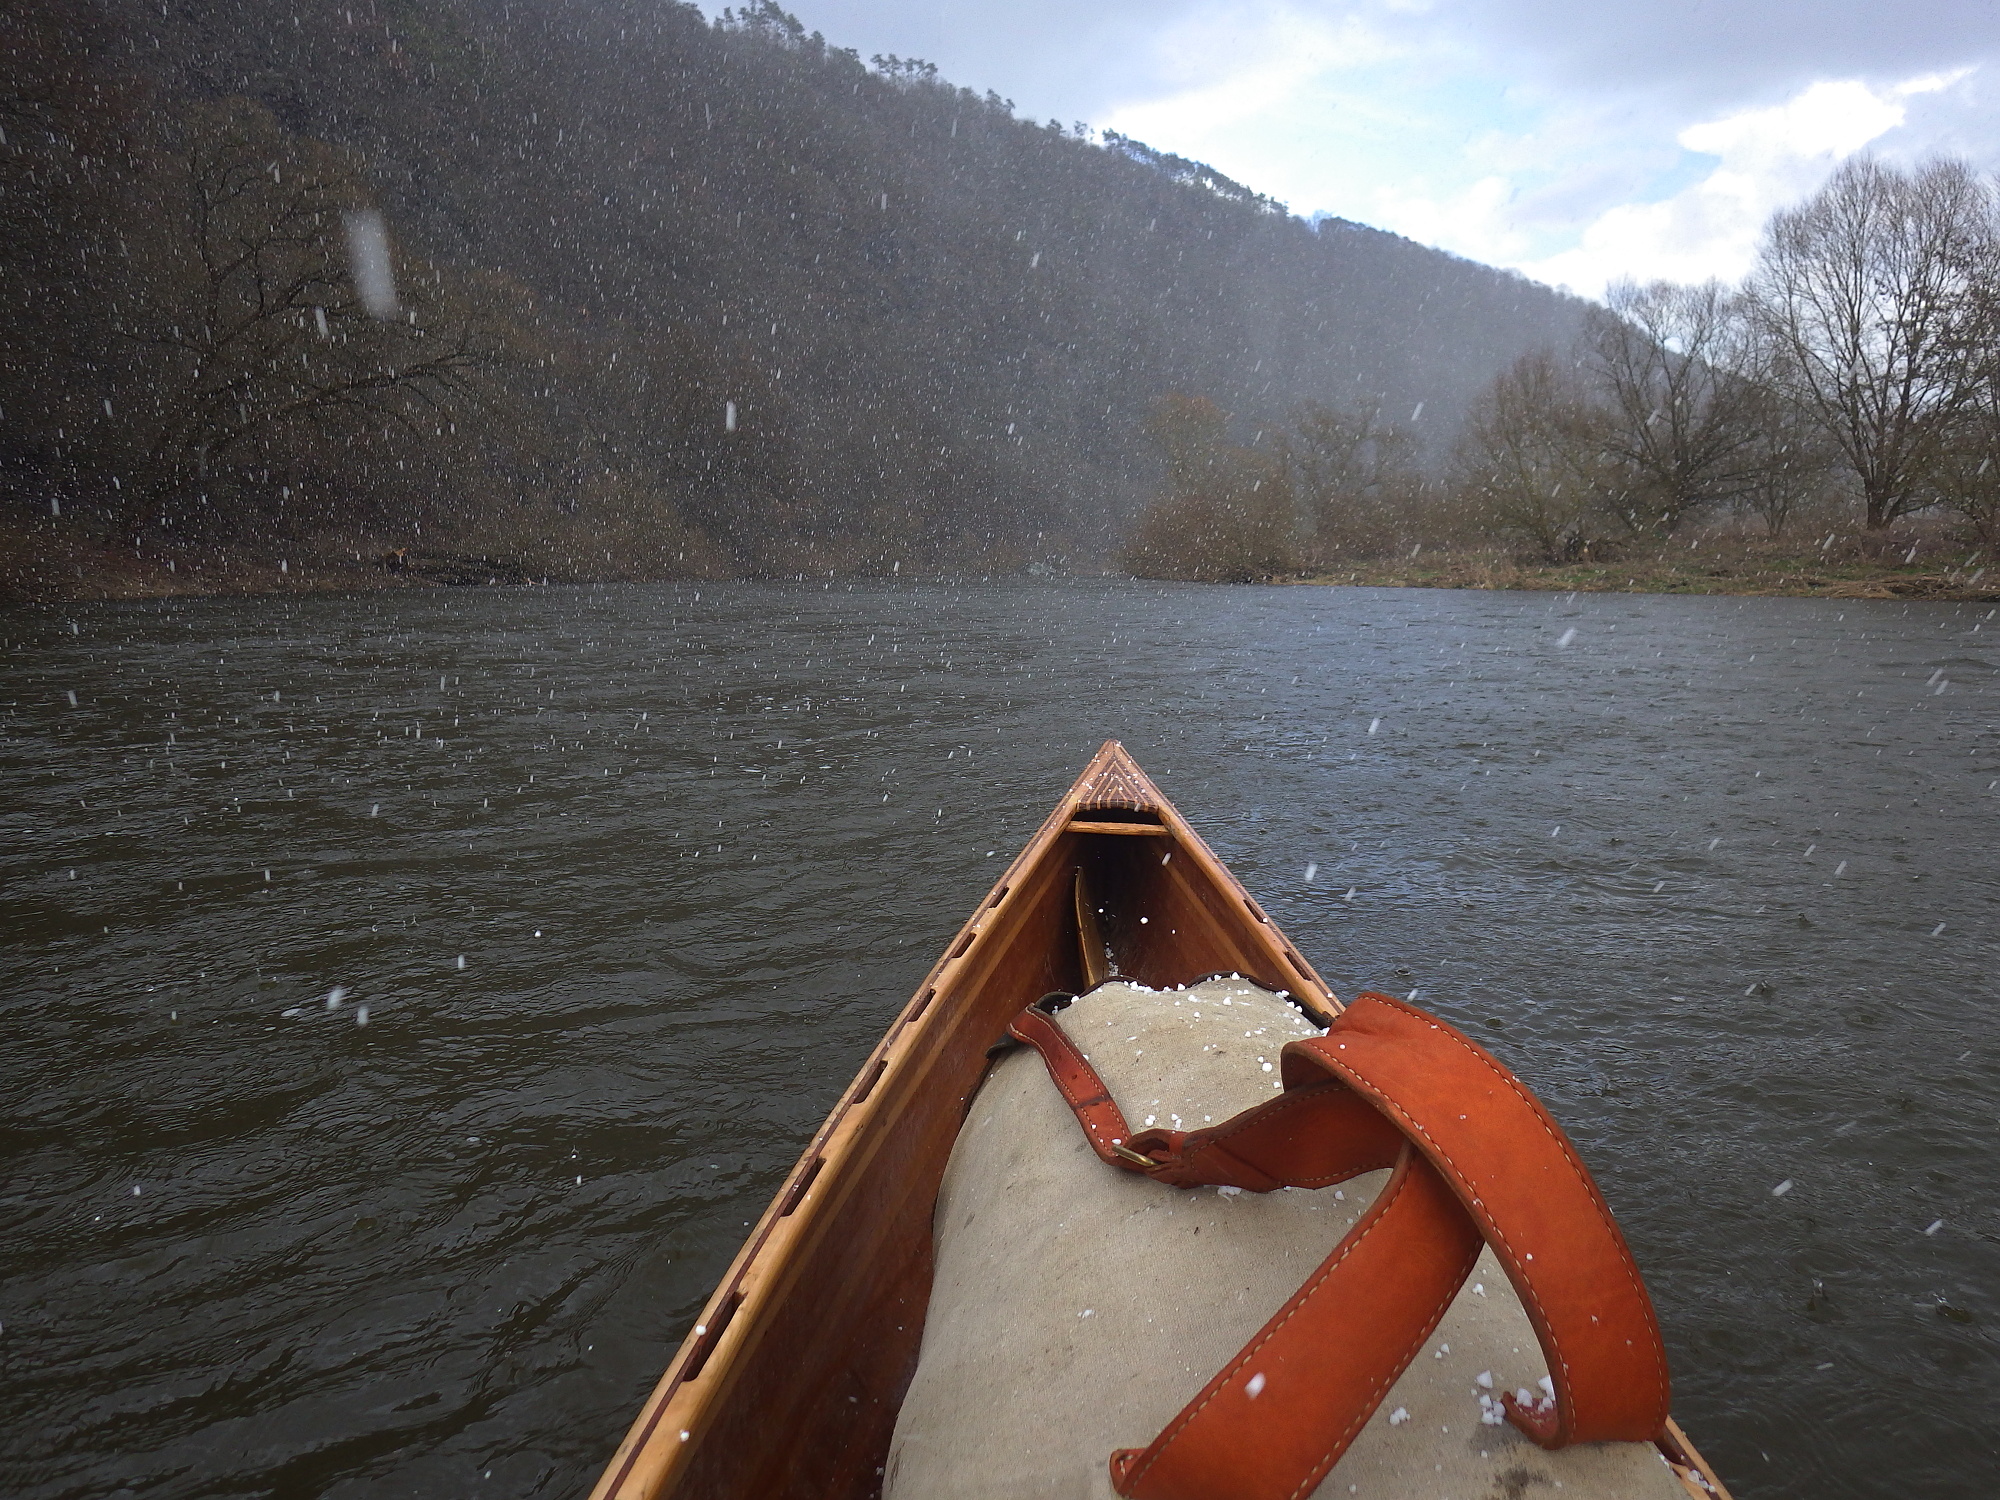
x: 1762, y: 570
x: 52, y: 568
x: 94, y: 574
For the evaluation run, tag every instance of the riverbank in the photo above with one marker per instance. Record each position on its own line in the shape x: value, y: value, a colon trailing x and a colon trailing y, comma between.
x: 56, y: 565
x: 53, y: 565
x: 1846, y: 568
x: 80, y: 572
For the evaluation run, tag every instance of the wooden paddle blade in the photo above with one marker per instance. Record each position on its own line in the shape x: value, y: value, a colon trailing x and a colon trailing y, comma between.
x: 1097, y: 964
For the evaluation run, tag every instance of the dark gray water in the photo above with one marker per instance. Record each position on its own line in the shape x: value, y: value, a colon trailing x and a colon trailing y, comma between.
x: 1718, y: 876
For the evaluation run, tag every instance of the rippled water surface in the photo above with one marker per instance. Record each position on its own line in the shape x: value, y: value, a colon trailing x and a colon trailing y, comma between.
x: 626, y: 881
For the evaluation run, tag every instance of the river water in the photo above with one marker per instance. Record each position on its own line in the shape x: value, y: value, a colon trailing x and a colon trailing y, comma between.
x: 408, y: 999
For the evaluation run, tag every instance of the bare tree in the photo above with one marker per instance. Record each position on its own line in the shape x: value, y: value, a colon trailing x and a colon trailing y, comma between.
x: 1351, y: 467
x: 1791, y: 461
x: 1533, y: 460
x: 1671, y: 361
x: 1227, y: 513
x: 1965, y: 475
x: 1794, y: 463
x: 247, y: 317
x: 1866, y: 294
x: 1967, y: 479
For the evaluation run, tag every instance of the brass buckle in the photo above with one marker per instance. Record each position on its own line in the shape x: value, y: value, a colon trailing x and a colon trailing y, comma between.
x: 1126, y: 1153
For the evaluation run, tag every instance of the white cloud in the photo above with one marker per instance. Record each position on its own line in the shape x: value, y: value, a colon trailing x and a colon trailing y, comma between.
x: 1390, y: 121
x: 1574, y: 141
x: 1243, y: 86
x: 1318, y: 110
x: 1765, y: 159
x: 1274, y: 45
x: 1476, y: 222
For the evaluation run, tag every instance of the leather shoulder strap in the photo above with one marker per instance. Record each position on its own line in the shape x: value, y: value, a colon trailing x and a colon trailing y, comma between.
x: 1076, y: 1080
x: 1520, y: 1180
x: 1476, y: 1157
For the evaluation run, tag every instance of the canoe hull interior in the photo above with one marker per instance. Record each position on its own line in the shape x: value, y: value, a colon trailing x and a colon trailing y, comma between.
x: 790, y: 1383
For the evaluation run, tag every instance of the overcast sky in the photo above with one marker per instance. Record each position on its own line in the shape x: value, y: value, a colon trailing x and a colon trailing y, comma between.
x: 1575, y: 140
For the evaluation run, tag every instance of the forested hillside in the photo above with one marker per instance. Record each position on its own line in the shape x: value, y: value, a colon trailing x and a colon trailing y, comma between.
x: 660, y: 296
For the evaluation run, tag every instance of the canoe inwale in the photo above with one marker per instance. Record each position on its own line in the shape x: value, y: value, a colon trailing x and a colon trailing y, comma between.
x: 789, y: 1383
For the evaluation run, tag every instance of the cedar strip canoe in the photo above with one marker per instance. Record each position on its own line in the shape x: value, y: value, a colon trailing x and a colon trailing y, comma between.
x: 790, y: 1382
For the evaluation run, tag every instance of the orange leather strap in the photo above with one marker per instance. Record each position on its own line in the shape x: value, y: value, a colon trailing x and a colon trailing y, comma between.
x: 1476, y: 1158
x: 1076, y: 1080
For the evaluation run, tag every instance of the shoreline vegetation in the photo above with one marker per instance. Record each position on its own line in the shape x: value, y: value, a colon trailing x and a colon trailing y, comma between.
x: 1819, y: 429
x: 716, y: 297
x: 1722, y: 565
x: 52, y: 569
x: 795, y: 315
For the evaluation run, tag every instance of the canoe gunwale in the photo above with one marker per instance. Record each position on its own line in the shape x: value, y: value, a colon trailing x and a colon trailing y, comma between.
x: 1113, y: 814
x: 719, y: 1330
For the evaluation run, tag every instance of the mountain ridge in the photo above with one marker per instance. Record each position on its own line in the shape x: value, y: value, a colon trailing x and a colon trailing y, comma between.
x: 936, y: 328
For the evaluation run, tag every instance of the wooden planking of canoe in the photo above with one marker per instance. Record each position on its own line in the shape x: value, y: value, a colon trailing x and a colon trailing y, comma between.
x: 790, y: 1382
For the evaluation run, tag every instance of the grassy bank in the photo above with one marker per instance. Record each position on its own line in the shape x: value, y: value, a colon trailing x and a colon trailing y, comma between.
x: 54, y: 569
x: 55, y: 563
x: 1847, y: 568
x: 43, y: 564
